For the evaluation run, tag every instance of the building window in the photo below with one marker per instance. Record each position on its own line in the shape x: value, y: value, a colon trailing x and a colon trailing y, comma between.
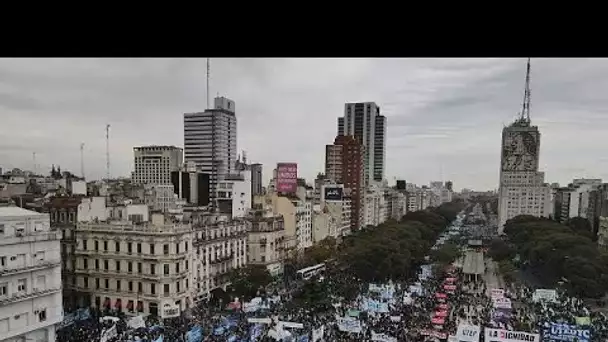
x: 86, y: 263
x: 118, y: 285
x: 166, y: 269
x: 130, y: 267
x: 86, y: 282
x: 178, y: 287
x: 22, y: 285
x: 42, y: 315
x: 153, y: 289
x: 139, y: 268
x: 166, y: 249
x: 186, y: 264
x: 97, y: 283
x: 118, y: 265
x: 139, y: 248
x: 177, y: 247
x: 152, y: 269
x: 105, y: 265
x: 140, y: 287
x: 152, y: 249
x: 166, y: 290
x: 84, y: 244
x: 3, y: 289
x: 96, y: 245
x: 117, y: 246
x: 130, y: 285
x: 107, y: 283
x: 177, y: 267
x: 140, y: 306
x: 129, y: 247
x: 97, y: 264
x: 105, y: 246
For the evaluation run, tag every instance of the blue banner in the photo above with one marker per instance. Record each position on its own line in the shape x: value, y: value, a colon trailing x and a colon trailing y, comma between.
x: 195, y: 334
x: 567, y: 333
x: 255, y: 331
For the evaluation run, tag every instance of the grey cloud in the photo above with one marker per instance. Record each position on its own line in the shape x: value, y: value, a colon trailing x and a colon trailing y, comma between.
x: 443, y: 114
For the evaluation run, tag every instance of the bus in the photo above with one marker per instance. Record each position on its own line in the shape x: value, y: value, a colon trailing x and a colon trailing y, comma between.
x: 309, y: 272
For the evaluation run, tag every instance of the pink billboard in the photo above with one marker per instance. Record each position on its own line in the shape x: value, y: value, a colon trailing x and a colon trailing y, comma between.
x: 287, y: 177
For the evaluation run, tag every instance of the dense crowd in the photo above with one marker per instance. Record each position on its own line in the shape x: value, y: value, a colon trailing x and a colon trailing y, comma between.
x: 435, y: 306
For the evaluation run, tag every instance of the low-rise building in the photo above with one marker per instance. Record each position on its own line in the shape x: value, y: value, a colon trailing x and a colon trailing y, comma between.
x: 266, y: 241
x: 220, y: 245
x: 30, y: 276
x: 133, y: 264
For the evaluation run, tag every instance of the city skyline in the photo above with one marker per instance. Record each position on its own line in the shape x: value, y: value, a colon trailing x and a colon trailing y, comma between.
x: 443, y: 115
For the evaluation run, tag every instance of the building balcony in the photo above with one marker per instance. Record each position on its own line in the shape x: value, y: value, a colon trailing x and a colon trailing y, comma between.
x: 221, y: 259
x: 23, y: 237
x: 21, y: 296
x: 135, y: 229
x: 28, y: 268
x: 208, y: 239
x: 135, y: 256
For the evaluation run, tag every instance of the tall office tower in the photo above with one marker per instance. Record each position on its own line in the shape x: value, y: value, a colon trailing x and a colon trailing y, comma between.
x: 344, y: 165
x: 364, y: 122
x: 153, y: 164
x: 522, y: 189
x: 210, y: 141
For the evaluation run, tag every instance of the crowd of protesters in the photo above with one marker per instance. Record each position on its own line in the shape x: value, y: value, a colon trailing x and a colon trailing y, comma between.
x: 430, y: 308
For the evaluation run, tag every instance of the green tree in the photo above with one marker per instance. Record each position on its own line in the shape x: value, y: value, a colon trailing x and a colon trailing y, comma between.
x: 446, y: 254
x: 499, y: 250
x: 507, y: 270
x: 555, y: 251
x: 246, y: 281
x: 581, y: 226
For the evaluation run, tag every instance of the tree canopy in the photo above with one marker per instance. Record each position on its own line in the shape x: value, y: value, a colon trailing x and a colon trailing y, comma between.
x: 246, y: 281
x: 446, y: 254
x: 557, y: 252
x: 393, y: 250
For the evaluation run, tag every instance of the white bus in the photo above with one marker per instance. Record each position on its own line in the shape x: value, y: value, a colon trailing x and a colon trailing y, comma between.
x: 309, y: 272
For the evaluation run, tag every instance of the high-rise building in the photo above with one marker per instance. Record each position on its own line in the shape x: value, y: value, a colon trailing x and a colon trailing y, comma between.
x: 344, y: 165
x: 522, y: 189
x: 256, y: 179
x: 153, y: 164
x: 210, y: 141
x: 364, y: 122
x: 30, y: 281
x: 191, y: 185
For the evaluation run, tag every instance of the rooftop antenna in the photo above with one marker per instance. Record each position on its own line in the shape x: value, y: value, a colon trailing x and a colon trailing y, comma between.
x: 82, y: 160
x: 107, y: 153
x: 208, y: 74
x: 34, y: 159
x: 525, y: 112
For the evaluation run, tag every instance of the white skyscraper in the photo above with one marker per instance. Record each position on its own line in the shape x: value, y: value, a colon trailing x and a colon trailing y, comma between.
x: 364, y: 122
x: 210, y: 141
x: 522, y: 189
x: 30, y: 276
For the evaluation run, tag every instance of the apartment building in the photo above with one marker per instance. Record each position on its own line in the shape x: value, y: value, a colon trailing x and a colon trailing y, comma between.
x: 220, y: 244
x: 30, y: 276
x: 132, y: 262
x: 266, y: 241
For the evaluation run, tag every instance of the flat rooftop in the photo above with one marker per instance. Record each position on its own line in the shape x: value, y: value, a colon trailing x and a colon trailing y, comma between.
x: 16, y: 211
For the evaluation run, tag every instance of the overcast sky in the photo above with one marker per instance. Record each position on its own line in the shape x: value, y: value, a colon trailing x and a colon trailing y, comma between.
x: 445, y: 116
